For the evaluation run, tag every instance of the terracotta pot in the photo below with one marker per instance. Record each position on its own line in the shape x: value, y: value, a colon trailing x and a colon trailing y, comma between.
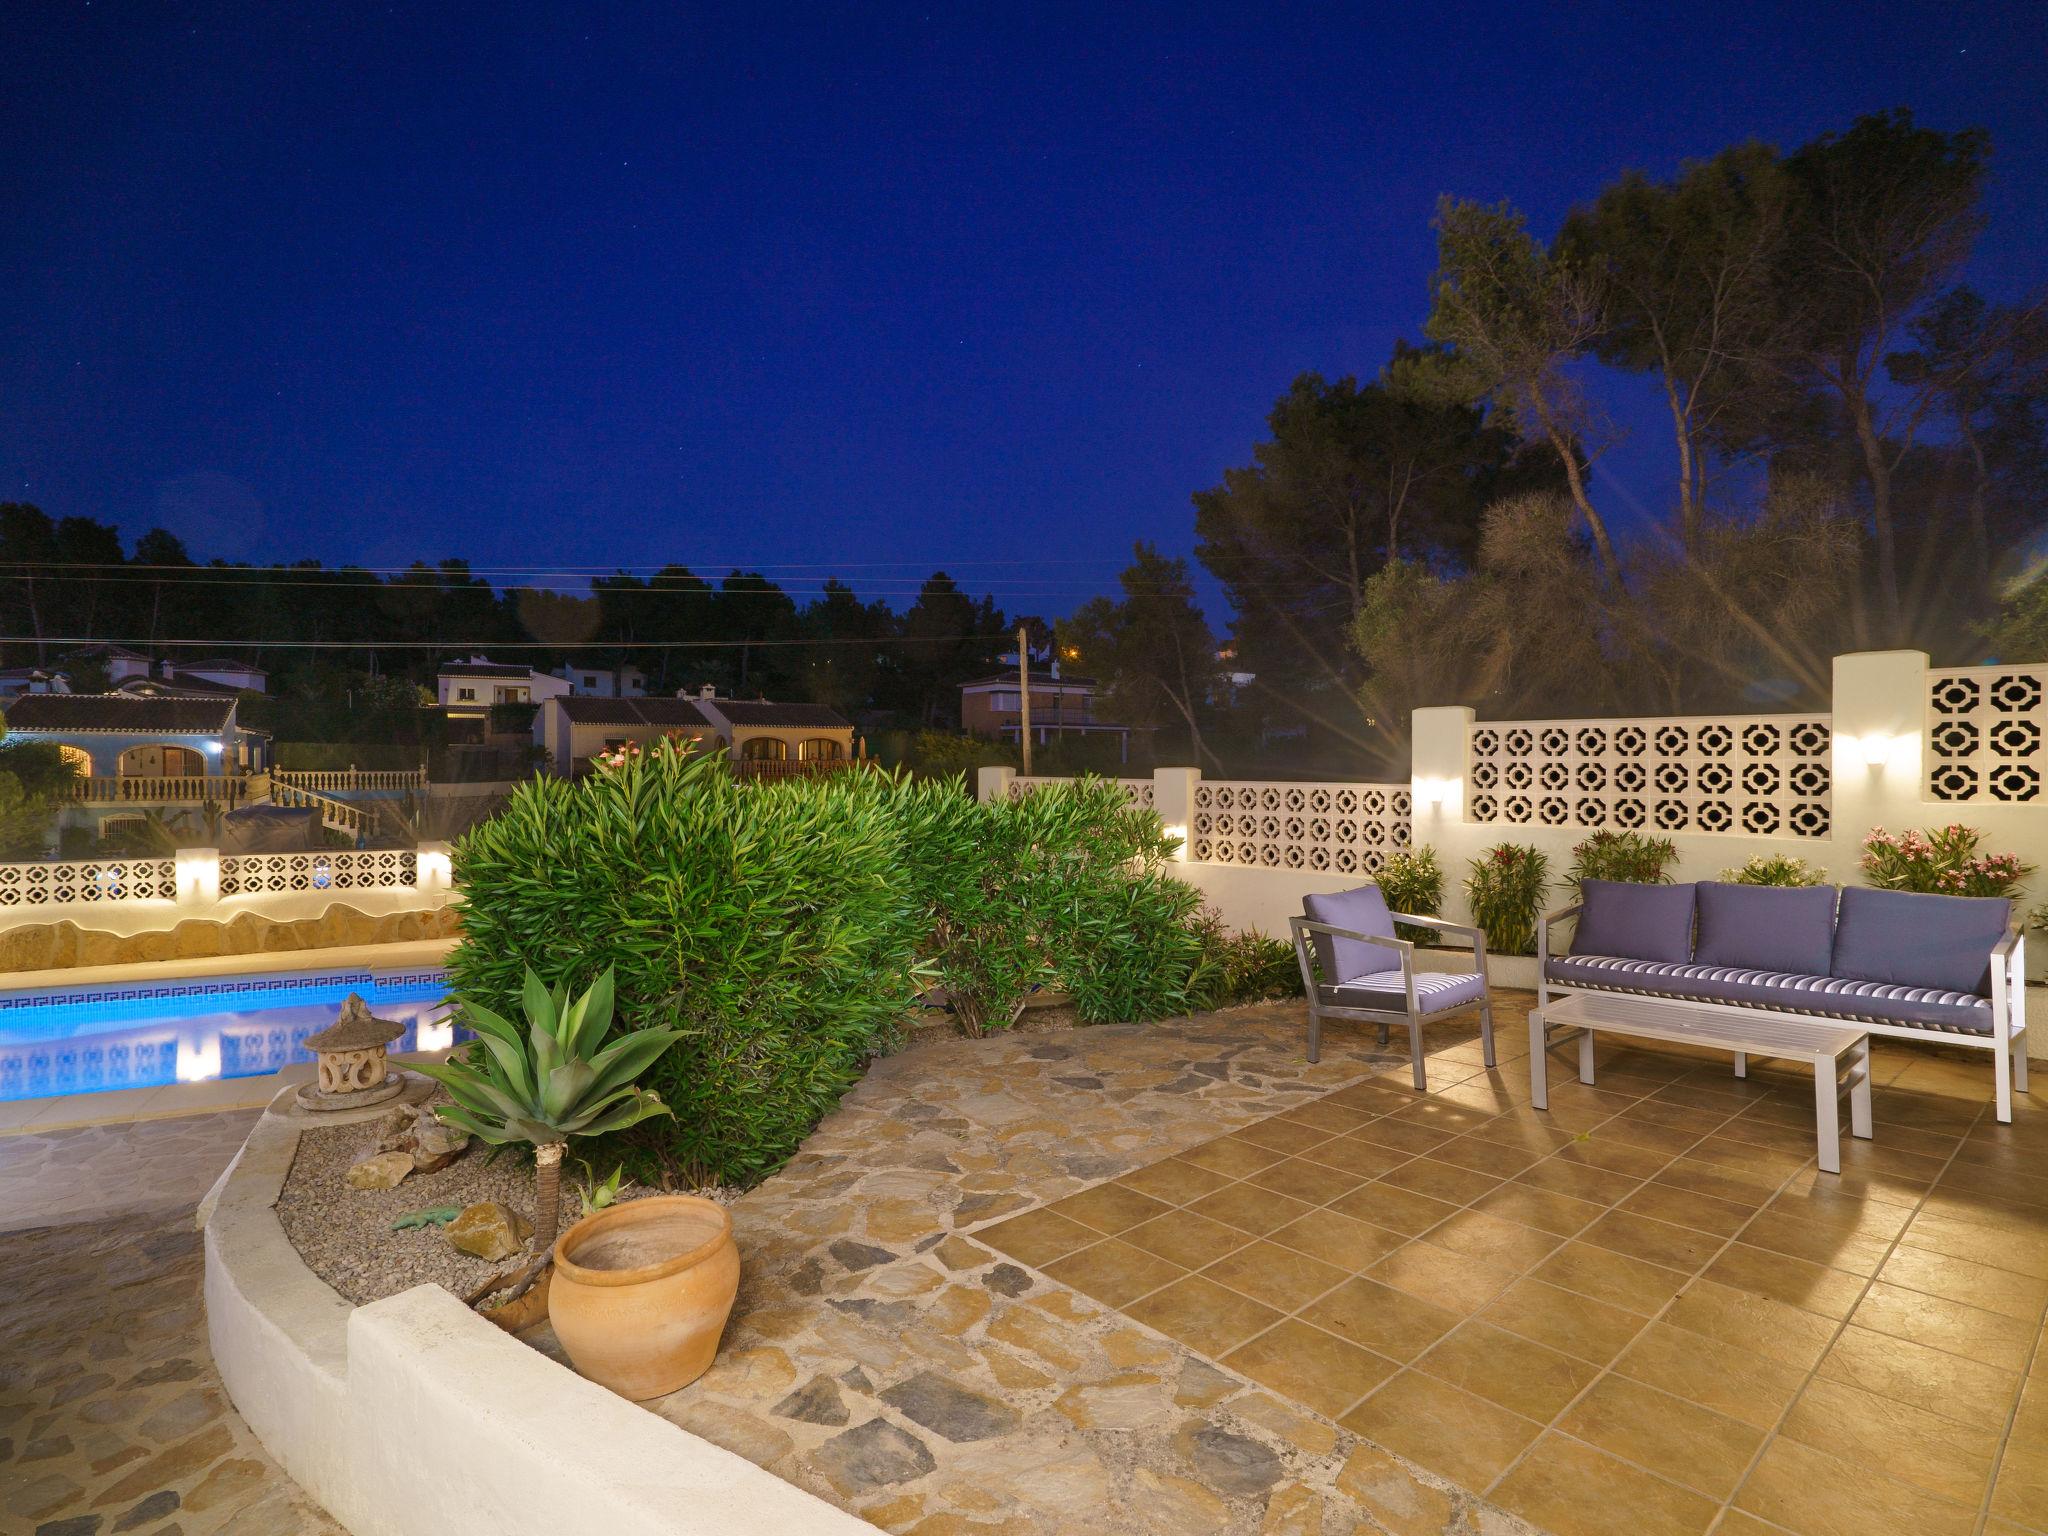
x: 641, y: 1292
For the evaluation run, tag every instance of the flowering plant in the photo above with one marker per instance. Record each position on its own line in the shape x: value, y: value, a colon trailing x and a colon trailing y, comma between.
x: 1773, y: 869
x: 1942, y: 863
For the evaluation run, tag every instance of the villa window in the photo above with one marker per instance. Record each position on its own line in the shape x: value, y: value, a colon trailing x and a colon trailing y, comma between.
x: 465, y: 695
x: 818, y: 749
x: 765, y: 749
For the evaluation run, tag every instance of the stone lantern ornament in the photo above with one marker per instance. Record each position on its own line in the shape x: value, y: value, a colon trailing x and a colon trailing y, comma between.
x: 350, y: 1051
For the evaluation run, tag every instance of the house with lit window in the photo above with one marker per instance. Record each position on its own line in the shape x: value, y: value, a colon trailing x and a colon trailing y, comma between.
x: 603, y: 682
x: 1060, y: 706
x: 468, y: 689
x: 757, y: 734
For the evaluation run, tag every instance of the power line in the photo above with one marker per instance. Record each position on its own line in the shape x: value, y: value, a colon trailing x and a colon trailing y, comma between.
x: 512, y: 645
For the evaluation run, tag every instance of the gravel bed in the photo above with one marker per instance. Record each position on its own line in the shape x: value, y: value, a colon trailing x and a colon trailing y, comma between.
x: 345, y: 1237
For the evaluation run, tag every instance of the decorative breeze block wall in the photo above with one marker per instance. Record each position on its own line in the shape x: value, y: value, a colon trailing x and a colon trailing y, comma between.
x: 1764, y: 776
x: 1985, y: 733
x: 1139, y: 790
x: 55, y: 883
x: 248, y: 874
x: 1345, y: 828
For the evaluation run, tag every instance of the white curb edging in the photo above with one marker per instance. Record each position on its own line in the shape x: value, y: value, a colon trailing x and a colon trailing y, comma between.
x: 415, y: 1417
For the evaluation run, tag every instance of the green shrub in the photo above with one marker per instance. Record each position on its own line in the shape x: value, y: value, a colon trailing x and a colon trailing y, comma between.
x: 1623, y: 856
x: 1773, y: 869
x: 1064, y: 887
x: 1505, y: 891
x: 1245, y: 967
x: 1941, y: 863
x: 787, y: 933
x: 942, y: 754
x: 1413, y: 881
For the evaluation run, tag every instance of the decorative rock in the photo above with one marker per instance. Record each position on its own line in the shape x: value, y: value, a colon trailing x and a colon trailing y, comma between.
x: 858, y: 1256
x: 1394, y: 1497
x: 872, y: 1455
x: 1007, y: 1280
x: 958, y: 1253
x: 1201, y: 1384
x: 486, y: 1230
x: 380, y: 1170
x: 816, y: 1402
x: 949, y: 1409
x: 437, y: 1144
x: 1228, y: 1463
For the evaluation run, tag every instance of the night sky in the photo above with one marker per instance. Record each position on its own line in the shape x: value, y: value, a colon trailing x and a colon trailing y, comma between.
x: 826, y: 288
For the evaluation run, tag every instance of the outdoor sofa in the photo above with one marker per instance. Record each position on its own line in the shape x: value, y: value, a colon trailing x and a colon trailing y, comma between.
x: 1948, y: 968
x: 1368, y: 975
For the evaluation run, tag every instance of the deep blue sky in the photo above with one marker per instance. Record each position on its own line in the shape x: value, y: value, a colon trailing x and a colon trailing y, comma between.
x: 820, y: 286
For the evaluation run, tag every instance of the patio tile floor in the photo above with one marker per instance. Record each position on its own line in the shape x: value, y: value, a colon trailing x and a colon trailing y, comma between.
x: 1646, y: 1311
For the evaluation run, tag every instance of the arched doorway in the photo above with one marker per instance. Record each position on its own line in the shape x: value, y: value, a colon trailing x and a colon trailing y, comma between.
x: 819, y: 749
x: 765, y: 749
x: 158, y: 760
x: 77, y: 759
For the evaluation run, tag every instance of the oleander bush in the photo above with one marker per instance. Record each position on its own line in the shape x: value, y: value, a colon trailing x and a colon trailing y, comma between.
x: 1505, y: 891
x: 1243, y: 967
x: 1413, y: 881
x: 1623, y: 856
x: 786, y: 929
x: 1773, y: 869
x: 1944, y: 862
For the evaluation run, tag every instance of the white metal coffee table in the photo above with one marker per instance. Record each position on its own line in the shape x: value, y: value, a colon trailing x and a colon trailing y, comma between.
x: 1838, y: 1053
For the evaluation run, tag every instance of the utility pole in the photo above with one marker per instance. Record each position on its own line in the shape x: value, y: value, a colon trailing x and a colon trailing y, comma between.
x: 1024, y: 695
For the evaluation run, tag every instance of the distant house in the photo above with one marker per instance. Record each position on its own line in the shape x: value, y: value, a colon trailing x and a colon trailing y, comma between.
x: 15, y: 681
x: 120, y: 662
x: 468, y: 689
x: 576, y: 728
x: 227, y: 672
x: 603, y: 682
x: 1060, y: 706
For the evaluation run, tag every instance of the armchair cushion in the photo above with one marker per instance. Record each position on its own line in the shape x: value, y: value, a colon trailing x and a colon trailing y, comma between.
x: 1913, y: 940
x: 1766, y: 928
x: 1635, y: 922
x: 1363, y: 910
x: 1434, y: 991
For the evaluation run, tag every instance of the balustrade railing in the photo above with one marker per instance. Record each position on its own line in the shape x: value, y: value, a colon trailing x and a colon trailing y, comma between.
x: 342, y: 780
x: 175, y: 789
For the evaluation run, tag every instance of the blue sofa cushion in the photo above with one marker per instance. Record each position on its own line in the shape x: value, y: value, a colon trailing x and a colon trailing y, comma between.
x: 1635, y: 922
x: 1826, y: 996
x: 1434, y: 991
x: 1766, y: 928
x: 1363, y: 910
x: 1911, y: 940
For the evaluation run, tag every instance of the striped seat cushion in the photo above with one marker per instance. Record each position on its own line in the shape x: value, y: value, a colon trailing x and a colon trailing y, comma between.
x: 1434, y: 991
x: 1826, y: 996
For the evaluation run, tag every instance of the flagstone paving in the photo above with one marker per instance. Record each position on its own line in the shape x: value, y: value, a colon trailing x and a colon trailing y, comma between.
x: 112, y: 1418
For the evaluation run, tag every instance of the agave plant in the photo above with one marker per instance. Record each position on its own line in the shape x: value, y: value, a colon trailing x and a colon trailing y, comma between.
x: 554, y: 1079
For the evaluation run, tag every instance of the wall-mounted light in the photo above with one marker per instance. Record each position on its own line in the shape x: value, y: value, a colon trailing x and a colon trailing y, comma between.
x: 1180, y: 835
x: 213, y: 747
x: 1432, y: 791
x: 1876, y: 750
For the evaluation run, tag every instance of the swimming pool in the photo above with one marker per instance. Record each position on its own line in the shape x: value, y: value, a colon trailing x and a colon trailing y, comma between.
x: 86, y: 1039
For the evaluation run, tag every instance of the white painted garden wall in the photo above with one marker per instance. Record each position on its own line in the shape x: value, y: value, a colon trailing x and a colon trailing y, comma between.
x: 1903, y: 746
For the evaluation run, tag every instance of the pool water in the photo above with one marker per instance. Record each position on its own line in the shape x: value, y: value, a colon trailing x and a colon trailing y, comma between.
x: 84, y: 1040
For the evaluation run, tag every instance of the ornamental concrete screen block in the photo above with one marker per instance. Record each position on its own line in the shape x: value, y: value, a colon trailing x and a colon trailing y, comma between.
x: 1987, y: 734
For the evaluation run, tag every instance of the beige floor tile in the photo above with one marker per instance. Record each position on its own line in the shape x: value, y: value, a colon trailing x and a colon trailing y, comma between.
x: 1037, y: 1237
x: 1250, y: 1209
x: 1380, y: 1318
x: 1944, y: 1384
x: 1735, y: 1381
x: 1976, y: 1285
x: 1814, y: 1494
x: 1551, y: 1485
x: 1986, y: 1337
x: 1517, y: 1373
x: 1233, y: 1159
x: 1559, y: 1215
x: 1314, y: 1368
x: 1282, y: 1135
x: 1908, y: 1443
x: 1705, y: 1451
x: 1455, y: 1281
x: 1312, y: 1183
x: 1443, y: 1428
x: 1685, y: 1208
x: 1114, y: 1272
x: 1732, y: 1185
x: 1474, y: 1151
x: 1440, y: 1181
x: 1279, y: 1277
x: 1203, y: 1315
x: 1174, y: 1181
x: 1366, y: 1159
x: 1747, y: 1321
x: 1349, y: 1244
x: 1400, y: 1136
x: 1685, y: 1249
x: 1596, y: 1185
x: 1109, y: 1208
x: 1398, y: 1210
x: 1491, y: 1238
x: 1191, y: 1241
x: 1576, y: 1325
x: 1813, y: 1288
x: 1614, y: 1278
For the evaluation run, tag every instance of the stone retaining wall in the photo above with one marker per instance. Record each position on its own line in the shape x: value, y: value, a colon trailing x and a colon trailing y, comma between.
x: 64, y: 945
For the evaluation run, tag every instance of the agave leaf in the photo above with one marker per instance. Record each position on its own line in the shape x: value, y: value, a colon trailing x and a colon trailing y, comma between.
x: 621, y: 1062
x: 640, y: 1107
x: 513, y: 1072
x: 541, y: 1008
x: 490, y: 1024
x: 593, y: 1016
x: 566, y: 1088
x: 539, y: 1132
x: 491, y: 1131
